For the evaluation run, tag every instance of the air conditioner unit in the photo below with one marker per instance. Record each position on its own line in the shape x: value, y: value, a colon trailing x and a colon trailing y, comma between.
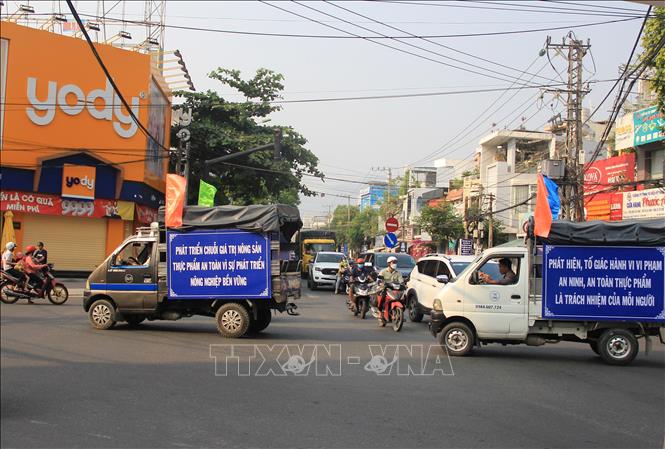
x: 553, y: 168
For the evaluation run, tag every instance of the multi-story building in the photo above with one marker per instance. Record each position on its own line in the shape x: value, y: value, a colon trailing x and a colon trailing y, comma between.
x: 77, y: 172
x: 375, y: 193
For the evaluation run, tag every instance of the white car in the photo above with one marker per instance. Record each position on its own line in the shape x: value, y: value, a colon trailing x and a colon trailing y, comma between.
x: 323, y: 270
x: 427, y: 279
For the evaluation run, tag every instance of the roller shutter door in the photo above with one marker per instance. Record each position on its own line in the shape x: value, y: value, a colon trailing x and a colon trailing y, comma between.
x: 73, y: 243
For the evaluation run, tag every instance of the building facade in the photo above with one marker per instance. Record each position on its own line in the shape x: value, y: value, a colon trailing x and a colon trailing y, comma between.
x: 77, y: 172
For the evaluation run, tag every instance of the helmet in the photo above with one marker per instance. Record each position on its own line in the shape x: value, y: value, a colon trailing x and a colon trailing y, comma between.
x: 360, y: 260
x: 10, y: 246
x: 18, y: 255
x: 30, y: 249
x: 392, y: 259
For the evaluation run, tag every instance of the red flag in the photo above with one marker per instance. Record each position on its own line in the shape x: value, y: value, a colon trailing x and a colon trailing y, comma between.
x: 543, y: 213
x: 175, y: 200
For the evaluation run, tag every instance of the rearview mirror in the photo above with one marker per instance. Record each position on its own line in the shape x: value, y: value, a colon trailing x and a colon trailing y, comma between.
x: 442, y: 279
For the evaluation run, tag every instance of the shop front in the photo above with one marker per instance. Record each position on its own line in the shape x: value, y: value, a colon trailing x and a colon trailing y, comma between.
x: 77, y: 173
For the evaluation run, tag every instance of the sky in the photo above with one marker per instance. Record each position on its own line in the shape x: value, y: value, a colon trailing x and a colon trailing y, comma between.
x: 356, y: 140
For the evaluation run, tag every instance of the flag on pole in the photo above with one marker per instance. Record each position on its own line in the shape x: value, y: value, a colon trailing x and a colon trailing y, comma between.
x: 175, y: 200
x: 548, y: 205
x: 206, y: 194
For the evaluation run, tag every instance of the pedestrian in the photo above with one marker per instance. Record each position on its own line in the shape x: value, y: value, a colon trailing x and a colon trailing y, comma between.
x: 41, y: 255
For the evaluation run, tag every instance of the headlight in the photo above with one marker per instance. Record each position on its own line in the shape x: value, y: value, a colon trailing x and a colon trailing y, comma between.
x: 437, y: 305
x: 317, y: 268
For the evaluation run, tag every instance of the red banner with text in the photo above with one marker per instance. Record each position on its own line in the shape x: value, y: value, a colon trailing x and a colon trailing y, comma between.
x: 44, y: 204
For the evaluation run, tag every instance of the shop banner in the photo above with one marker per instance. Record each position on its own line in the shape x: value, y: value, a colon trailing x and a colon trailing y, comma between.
x: 38, y: 203
x: 604, y: 172
x: 604, y: 283
x: 648, y: 203
x: 229, y: 264
x: 649, y: 124
x: 604, y: 206
x: 146, y: 214
x: 624, y: 132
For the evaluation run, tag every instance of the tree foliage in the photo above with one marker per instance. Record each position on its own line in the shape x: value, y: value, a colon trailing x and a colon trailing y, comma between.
x: 363, y: 225
x: 221, y: 127
x: 654, y: 31
x: 441, y: 222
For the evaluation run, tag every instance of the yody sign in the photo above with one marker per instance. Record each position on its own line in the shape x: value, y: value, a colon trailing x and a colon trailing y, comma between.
x: 78, y: 181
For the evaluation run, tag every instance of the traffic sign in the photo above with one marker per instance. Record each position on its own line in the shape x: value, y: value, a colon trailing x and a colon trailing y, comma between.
x: 392, y: 224
x: 390, y: 240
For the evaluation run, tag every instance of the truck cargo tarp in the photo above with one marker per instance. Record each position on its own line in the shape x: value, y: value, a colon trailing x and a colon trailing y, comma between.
x: 650, y: 232
x: 256, y: 218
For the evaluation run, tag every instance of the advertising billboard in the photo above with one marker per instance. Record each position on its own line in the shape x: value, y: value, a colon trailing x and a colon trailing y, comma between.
x: 78, y: 181
x: 649, y: 203
x: 605, y: 172
x: 61, y: 102
x: 649, y: 126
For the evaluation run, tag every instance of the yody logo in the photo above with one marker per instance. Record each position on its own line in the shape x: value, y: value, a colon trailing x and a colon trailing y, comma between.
x: 42, y: 112
x: 85, y: 182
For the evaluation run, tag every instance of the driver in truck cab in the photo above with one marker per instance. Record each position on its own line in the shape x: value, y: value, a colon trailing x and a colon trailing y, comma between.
x: 506, y: 270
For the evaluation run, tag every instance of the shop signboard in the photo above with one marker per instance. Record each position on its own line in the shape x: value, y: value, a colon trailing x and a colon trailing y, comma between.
x: 649, y: 126
x: 38, y: 203
x: 78, y: 181
x: 604, y: 172
x: 649, y: 203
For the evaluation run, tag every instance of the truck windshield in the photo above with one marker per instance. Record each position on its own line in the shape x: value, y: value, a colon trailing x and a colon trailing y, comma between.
x: 463, y: 271
x: 314, y: 248
x: 329, y: 258
x: 459, y: 267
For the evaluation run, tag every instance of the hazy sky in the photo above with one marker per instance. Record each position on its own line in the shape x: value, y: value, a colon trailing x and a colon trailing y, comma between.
x: 351, y: 137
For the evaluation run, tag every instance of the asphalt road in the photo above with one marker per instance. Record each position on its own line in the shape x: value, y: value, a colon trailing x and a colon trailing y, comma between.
x: 65, y: 384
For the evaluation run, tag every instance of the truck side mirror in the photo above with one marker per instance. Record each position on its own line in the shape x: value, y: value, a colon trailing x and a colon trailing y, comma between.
x: 442, y: 279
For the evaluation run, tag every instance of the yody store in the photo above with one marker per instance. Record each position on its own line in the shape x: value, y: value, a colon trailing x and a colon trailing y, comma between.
x: 77, y: 172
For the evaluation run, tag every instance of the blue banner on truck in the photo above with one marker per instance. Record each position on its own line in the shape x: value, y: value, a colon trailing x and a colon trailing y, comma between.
x: 604, y: 283
x: 228, y: 264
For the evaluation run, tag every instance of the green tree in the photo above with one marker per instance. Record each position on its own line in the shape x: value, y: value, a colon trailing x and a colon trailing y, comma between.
x: 441, y: 222
x: 364, y: 226
x: 654, y: 31
x: 221, y: 127
x: 341, y: 222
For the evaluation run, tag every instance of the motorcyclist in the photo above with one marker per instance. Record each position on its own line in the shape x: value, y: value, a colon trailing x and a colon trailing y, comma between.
x: 33, y: 269
x: 343, y: 266
x: 9, y: 261
x: 357, y: 271
x: 390, y: 274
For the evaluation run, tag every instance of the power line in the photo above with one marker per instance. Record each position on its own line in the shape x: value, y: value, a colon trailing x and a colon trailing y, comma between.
x: 324, y: 36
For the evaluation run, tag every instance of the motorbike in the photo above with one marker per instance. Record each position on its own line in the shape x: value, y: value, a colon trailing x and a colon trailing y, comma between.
x: 12, y: 289
x: 364, y: 289
x: 393, y: 306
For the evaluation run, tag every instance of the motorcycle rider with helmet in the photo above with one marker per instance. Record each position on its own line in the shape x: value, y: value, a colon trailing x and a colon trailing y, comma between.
x: 389, y: 274
x: 358, y: 270
x: 33, y: 269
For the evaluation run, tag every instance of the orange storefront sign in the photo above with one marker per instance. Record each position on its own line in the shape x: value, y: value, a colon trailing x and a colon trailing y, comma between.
x: 58, y: 101
x: 78, y: 181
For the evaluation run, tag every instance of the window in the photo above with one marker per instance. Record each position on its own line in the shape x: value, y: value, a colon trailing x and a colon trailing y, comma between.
x: 460, y: 266
x: 443, y: 269
x: 498, y: 270
x: 428, y: 267
x: 521, y: 194
x: 134, y: 254
x: 655, y: 162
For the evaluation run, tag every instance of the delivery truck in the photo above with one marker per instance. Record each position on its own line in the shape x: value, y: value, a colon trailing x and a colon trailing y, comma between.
x: 599, y: 283
x: 233, y: 263
x: 311, y: 242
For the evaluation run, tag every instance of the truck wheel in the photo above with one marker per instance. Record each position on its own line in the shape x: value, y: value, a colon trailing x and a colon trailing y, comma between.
x: 457, y: 339
x: 415, y: 316
x: 102, y: 314
x: 263, y: 319
x: 232, y: 320
x: 618, y: 346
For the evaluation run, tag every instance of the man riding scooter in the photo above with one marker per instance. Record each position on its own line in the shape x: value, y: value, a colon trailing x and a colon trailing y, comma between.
x: 389, y: 275
x: 357, y: 271
x: 33, y: 269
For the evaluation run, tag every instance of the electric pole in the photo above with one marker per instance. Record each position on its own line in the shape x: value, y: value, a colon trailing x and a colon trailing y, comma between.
x: 571, y: 192
x: 490, y: 231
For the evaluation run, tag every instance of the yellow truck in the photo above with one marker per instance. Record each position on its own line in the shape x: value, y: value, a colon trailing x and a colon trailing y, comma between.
x: 311, y: 242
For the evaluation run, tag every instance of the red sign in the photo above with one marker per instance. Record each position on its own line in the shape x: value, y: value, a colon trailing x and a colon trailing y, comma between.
x: 38, y: 203
x: 392, y: 224
x: 601, y: 174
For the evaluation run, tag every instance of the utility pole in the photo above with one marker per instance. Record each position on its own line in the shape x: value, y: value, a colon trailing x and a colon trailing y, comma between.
x: 490, y: 231
x: 572, y: 200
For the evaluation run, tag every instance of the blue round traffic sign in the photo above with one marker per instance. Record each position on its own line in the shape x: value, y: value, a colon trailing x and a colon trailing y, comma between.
x: 390, y: 240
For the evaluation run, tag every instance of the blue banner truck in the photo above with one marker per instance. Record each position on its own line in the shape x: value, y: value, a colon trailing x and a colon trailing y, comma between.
x: 233, y: 263
x: 599, y: 283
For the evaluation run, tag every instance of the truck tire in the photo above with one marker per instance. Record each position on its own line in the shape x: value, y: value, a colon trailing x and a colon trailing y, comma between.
x: 415, y: 315
x: 102, y: 314
x: 594, y: 346
x: 618, y: 346
x: 457, y: 339
x: 232, y: 320
x: 263, y: 319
